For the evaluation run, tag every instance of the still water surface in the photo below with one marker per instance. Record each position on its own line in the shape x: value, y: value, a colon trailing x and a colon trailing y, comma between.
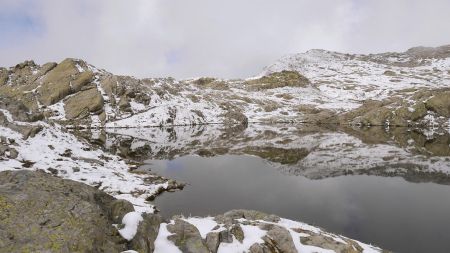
x: 389, y: 187
x: 386, y: 211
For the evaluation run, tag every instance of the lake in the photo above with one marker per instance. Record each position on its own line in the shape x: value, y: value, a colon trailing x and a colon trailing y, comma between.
x: 388, y: 187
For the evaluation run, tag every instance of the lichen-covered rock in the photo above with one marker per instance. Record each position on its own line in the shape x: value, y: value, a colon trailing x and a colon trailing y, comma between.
x: 211, y: 83
x: 330, y: 244
x: 119, y: 208
x: 62, y: 80
x: 56, y: 83
x: 124, y: 104
x: 237, y: 231
x: 82, y: 79
x: 42, y: 213
x: 278, y: 239
x: 186, y: 237
x: 228, y: 217
x: 279, y: 79
x: 440, y: 103
x: 213, y: 241
x: 83, y: 103
x: 144, y: 240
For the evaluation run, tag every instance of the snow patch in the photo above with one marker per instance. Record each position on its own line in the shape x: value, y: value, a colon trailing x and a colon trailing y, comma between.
x: 131, y: 221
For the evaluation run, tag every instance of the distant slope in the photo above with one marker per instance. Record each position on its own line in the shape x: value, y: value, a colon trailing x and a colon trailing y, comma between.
x: 402, y: 89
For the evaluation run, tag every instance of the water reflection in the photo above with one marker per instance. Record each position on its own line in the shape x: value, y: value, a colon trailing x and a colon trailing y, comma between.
x: 368, y: 177
x: 312, y: 151
x: 389, y: 212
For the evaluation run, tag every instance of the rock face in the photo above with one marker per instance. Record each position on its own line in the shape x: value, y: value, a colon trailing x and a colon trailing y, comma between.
x: 62, y: 80
x: 144, y: 240
x: 42, y: 213
x: 187, y: 237
x: 83, y: 103
x: 440, y: 103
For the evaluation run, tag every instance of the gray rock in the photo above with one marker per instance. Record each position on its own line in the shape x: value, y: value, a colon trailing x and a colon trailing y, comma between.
x: 124, y: 104
x: 226, y: 236
x: 119, y: 208
x: 213, y: 241
x: 246, y: 214
x: 238, y: 233
x: 278, y: 239
x: 42, y: 213
x: 258, y: 248
x: 13, y: 153
x: 144, y: 240
x: 186, y: 237
x: 330, y: 244
x: 440, y: 103
x: 83, y: 103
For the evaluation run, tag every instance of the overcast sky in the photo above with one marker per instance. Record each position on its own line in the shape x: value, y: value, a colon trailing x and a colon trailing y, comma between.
x: 226, y: 38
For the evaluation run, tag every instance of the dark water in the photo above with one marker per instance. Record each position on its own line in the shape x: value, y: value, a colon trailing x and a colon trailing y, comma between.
x: 389, y: 212
x: 389, y: 187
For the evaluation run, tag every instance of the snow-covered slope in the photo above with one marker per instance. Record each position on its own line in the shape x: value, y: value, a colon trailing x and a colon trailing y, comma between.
x: 317, y: 86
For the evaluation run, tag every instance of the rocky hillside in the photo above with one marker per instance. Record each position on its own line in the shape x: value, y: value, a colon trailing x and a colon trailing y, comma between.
x: 39, y: 103
x: 390, y: 89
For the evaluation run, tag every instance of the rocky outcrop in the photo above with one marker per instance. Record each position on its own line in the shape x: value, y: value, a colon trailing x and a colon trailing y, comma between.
x: 42, y: 213
x: 275, y: 236
x: 440, y: 103
x: 274, y: 80
x: 83, y: 103
x: 186, y: 237
x: 144, y: 240
x: 57, y: 83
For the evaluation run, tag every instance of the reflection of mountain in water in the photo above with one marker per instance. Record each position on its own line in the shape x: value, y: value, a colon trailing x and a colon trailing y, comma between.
x: 312, y: 151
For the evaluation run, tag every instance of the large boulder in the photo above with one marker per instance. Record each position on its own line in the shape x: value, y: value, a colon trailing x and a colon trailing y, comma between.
x: 186, y: 237
x: 83, y: 103
x: 144, y: 240
x: 63, y: 80
x: 42, y: 213
x: 440, y: 103
x: 278, y: 239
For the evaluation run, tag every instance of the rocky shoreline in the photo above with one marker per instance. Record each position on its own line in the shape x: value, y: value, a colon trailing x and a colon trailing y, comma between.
x: 43, y: 213
x: 40, y: 103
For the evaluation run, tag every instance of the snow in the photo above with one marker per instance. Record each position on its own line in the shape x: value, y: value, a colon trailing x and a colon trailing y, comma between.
x: 79, y: 68
x: 162, y: 244
x: 131, y: 221
x: 58, y: 109
x: 338, y: 82
x: 95, y: 167
x: 252, y: 235
x: 204, y: 225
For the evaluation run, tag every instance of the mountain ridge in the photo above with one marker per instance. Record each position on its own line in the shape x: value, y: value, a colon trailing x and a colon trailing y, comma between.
x: 317, y: 87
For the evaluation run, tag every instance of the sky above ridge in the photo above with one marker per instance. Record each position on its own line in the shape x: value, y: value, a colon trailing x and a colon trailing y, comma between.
x: 230, y: 39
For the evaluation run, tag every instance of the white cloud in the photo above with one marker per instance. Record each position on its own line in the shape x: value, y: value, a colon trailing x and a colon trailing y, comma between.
x: 232, y: 38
